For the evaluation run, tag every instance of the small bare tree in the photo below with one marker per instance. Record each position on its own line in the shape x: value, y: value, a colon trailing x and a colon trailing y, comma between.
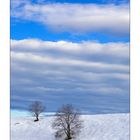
x: 36, y: 108
x: 67, y: 122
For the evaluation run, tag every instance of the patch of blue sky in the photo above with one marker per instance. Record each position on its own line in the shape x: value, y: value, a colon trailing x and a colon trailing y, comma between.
x: 28, y: 29
x: 25, y: 113
x: 19, y: 113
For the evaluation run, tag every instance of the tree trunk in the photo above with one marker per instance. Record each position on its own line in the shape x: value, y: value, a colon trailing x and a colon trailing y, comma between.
x: 69, y: 133
x: 68, y: 138
x: 37, y: 119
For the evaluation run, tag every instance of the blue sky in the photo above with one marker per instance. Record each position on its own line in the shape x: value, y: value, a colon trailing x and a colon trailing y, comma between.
x: 70, y: 52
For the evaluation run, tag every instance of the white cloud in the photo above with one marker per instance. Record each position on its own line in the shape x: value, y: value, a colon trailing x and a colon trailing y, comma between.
x: 30, y: 58
x: 77, y: 18
x: 45, y: 89
x: 37, y: 63
x: 118, y: 49
x: 31, y: 51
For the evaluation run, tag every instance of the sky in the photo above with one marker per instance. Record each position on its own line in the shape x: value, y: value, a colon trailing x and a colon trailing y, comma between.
x: 70, y: 52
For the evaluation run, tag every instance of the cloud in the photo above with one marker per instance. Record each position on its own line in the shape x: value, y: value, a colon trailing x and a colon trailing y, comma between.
x: 68, y: 51
x: 30, y: 58
x: 64, y: 62
x: 76, y: 18
x: 86, y: 48
x: 70, y: 72
x: 36, y: 62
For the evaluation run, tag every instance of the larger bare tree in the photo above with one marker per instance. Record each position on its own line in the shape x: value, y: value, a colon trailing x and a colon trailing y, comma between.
x: 67, y: 122
x: 36, y: 108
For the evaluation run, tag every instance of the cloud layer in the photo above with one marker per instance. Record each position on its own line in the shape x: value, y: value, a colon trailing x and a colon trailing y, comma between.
x: 65, y: 71
x: 75, y: 18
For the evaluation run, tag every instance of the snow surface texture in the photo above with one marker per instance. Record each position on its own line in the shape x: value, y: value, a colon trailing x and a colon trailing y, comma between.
x: 96, y: 127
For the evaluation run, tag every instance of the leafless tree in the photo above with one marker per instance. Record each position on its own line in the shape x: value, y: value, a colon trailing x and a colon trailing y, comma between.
x: 36, y: 108
x: 67, y: 122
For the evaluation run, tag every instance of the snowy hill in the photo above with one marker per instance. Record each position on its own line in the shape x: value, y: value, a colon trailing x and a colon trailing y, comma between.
x: 96, y: 127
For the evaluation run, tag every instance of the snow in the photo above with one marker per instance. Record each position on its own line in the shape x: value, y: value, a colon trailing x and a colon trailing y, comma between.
x: 96, y: 127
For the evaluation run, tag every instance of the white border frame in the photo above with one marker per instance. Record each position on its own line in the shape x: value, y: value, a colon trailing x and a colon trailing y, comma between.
x: 4, y: 70
x: 135, y: 71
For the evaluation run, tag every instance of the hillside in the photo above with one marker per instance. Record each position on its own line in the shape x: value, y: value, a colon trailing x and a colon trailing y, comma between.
x: 96, y: 127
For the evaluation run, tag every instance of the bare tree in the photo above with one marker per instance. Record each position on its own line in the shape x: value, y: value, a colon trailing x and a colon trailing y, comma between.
x: 67, y: 122
x: 36, y: 108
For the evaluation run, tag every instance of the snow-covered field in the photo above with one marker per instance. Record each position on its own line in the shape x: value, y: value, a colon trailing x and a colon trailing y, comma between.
x: 96, y: 127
